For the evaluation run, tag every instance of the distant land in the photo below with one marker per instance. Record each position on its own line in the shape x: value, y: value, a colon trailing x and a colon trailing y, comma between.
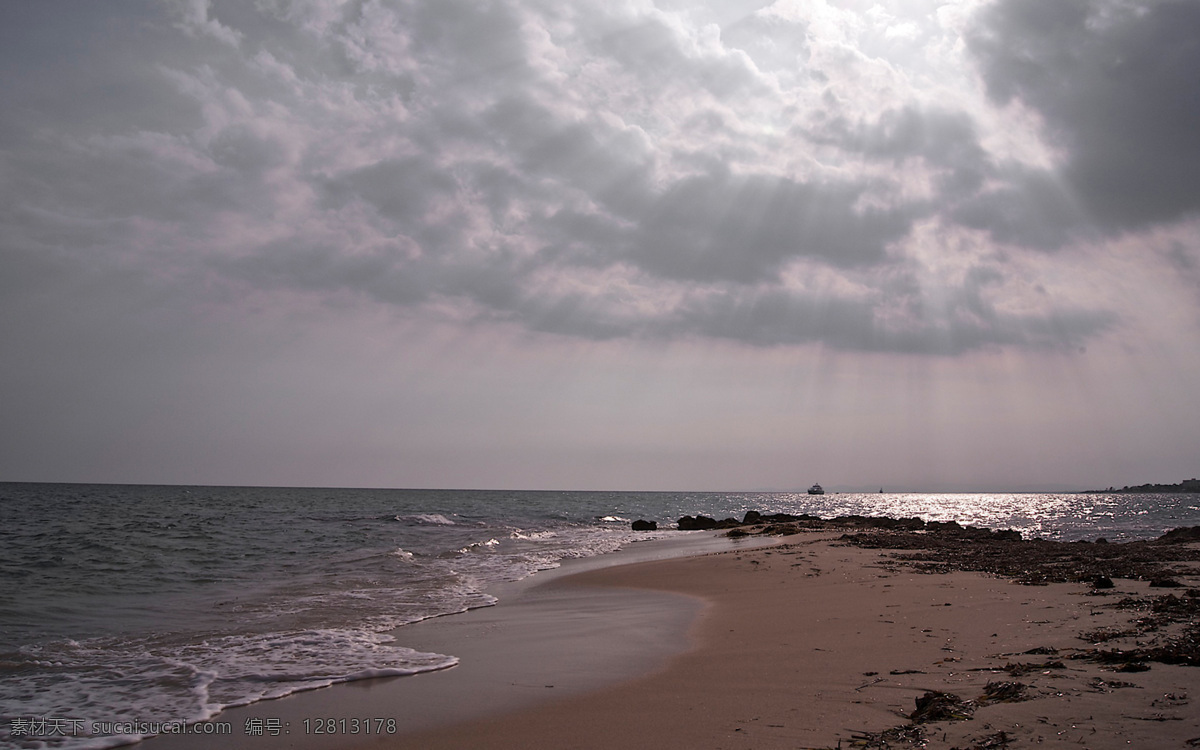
x: 1187, y: 485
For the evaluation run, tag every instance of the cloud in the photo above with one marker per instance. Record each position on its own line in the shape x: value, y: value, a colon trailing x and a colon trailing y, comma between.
x: 738, y: 171
x: 900, y: 319
x: 943, y: 139
x: 1024, y: 206
x: 745, y: 228
x: 1115, y: 85
x: 196, y: 19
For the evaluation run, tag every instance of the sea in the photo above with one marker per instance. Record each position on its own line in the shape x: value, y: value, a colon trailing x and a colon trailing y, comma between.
x: 122, y: 606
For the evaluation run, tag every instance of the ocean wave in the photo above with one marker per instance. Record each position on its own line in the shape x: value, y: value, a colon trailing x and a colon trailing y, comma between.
x: 426, y: 519
x: 147, y: 680
x: 532, y: 535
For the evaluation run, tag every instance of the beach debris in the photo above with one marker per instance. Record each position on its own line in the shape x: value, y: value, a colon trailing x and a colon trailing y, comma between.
x: 942, y: 548
x: 907, y: 735
x: 1042, y: 651
x: 1171, y: 699
x: 938, y: 706
x: 1106, y: 686
x: 866, y: 685
x: 1016, y: 669
x: 1102, y: 635
x: 643, y: 525
x: 1168, y: 630
x: 1171, y: 621
x: 1003, y: 692
x: 990, y: 742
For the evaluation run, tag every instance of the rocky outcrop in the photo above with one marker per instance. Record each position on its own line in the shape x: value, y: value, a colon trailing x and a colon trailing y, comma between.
x: 699, y: 523
x: 703, y: 523
x: 642, y: 525
x: 1182, y: 535
x: 754, y: 517
x: 756, y: 522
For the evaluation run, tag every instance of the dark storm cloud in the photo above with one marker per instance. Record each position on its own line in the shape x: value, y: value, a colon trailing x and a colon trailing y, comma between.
x: 1116, y: 85
x: 399, y: 189
x: 51, y: 69
x: 897, y: 318
x: 1025, y: 206
x: 1015, y: 203
x: 590, y: 170
x: 380, y: 271
x: 612, y: 166
x: 944, y: 139
x: 721, y: 227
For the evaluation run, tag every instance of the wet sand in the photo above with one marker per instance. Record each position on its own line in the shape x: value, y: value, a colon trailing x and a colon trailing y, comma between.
x: 547, y: 637
x: 816, y: 645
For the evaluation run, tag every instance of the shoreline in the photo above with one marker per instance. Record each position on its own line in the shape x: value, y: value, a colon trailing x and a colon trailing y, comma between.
x: 812, y: 644
x: 546, y: 637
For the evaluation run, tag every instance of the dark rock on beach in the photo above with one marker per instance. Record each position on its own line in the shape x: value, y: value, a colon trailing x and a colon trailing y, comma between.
x: 699, y: 523
x: 782, y: 524
x: 757, y: 522
x: 1032, y: 561
x: 753, y: 517
x: 884, y: 522
x: 641, y: 525
x: 1182, y: 535
x: 702, y: 523
x: 1165, y: 583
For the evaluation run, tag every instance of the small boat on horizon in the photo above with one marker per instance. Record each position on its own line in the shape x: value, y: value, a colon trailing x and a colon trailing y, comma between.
x: 816, y: 489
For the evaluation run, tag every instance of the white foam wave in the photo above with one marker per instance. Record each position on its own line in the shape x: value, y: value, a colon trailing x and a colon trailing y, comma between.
x: 474, y: 546
x: 146, y: 680
x: 431, y: 519
x: 522, y: 534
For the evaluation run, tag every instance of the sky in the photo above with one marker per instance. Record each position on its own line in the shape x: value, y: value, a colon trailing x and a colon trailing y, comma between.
x: 601, y: 244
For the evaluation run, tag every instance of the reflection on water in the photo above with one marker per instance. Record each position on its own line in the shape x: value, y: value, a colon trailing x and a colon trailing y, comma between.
x: 1119, y: 517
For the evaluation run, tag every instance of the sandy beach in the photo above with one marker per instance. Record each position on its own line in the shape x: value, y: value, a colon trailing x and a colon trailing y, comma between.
x: 809, y: 643
x: 814, y: 645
